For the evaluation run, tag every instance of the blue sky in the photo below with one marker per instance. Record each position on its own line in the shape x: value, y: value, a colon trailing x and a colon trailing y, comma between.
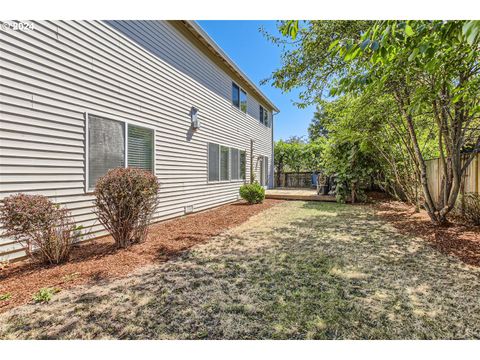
x: 257, y: 57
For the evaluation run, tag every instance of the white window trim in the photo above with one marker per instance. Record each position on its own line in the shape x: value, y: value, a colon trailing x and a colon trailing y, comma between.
x: 230, y: 180
x: 87, y: 114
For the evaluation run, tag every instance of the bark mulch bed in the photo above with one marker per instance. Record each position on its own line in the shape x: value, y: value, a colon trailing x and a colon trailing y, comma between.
x: 101, y: 260
x: 454, y: 239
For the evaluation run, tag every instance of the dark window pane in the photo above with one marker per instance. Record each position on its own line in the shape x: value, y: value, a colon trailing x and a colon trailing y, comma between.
x: 243, y: 165
x: 235, y: 95
x: 243, y: 101
x: 265, y: 117
x: 224, y: 163
x: 140, y: 147
x: 213, y: 160
x: 106, y: 147
x: 261, y: 114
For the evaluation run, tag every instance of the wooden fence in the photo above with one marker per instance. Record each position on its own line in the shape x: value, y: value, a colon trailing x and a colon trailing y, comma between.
x: 471, y: 179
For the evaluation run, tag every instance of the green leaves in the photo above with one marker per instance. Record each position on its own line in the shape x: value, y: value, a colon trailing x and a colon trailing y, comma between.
x: 290, y: 28
x: 471, y: 31
x: 333, y: 45
x: 413, y: 54
x: 409, y: 31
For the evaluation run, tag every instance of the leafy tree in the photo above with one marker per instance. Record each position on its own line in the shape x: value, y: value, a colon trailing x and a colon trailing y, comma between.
x: 317, y: 129
x: 313, y: 154
x: 428, y: 70
x: 280, y: 158
x: 306, y: 63
x: 297, y: 155
x: 427, y: 66
x: 349, y: 154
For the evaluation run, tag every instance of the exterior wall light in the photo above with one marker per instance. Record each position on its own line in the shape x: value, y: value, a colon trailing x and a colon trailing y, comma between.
x: 194, y: 118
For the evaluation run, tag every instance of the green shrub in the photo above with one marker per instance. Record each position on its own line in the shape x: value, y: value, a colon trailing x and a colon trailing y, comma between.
x: 45, y: 294
x: 126, y: 199
x: 467, y: 208
x: 252, y: 193
x: 44, y: 229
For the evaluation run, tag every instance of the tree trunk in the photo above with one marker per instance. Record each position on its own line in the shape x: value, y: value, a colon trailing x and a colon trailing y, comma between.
x: 429, y: 203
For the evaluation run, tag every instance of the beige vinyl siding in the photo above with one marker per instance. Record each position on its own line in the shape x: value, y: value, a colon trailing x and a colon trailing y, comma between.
x: 51, y: 76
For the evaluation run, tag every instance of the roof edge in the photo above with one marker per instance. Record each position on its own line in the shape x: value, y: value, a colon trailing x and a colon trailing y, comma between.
x: 197, y: 29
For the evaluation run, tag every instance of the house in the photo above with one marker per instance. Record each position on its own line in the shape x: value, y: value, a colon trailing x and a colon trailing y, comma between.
x: 80, y: 97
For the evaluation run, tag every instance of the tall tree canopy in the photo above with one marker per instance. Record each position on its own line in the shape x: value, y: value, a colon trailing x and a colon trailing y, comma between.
x: 426, y: 75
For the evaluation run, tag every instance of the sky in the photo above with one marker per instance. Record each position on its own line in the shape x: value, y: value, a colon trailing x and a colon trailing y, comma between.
x: 258, y: 58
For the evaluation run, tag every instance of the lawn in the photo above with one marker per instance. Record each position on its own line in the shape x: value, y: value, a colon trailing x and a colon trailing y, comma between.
x: 298, y: 270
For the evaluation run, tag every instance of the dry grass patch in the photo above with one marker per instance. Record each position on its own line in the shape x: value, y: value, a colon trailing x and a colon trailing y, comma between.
x: 290, y: 272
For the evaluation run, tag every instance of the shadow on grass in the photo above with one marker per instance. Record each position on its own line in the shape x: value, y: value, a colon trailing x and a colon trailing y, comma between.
x: 299, y: 271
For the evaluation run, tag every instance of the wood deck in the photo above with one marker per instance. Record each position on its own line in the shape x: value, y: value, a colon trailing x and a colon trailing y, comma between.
x: 297, y: 194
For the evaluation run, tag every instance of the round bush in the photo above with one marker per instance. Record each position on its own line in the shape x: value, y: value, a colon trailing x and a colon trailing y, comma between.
x: 252, y: 193
x: 45, y: 230
x: 125, y: 200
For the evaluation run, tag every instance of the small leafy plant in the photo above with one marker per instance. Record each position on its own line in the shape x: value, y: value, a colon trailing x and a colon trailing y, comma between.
x: 125, y: 200
x: 252, y: 193
x: 43, y: 228
x: 44, y: 295
x: 5, y: 297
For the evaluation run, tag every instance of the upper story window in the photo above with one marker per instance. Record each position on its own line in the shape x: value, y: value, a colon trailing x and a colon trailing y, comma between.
x: 239, y: 97
x: 113, y: 144
x: 264, y: 116
x: 243, y: 101
x: 235, y: 95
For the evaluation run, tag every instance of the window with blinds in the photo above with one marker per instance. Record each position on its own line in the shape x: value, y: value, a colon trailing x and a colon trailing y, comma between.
x: 243, y: 164
x: 106, y: 147
x: 140, y: 147
x: 213, y: 162
x: 235, y: 164
x: 224, y: 163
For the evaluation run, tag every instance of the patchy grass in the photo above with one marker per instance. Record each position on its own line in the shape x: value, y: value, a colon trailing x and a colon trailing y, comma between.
x: 296, y: 271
